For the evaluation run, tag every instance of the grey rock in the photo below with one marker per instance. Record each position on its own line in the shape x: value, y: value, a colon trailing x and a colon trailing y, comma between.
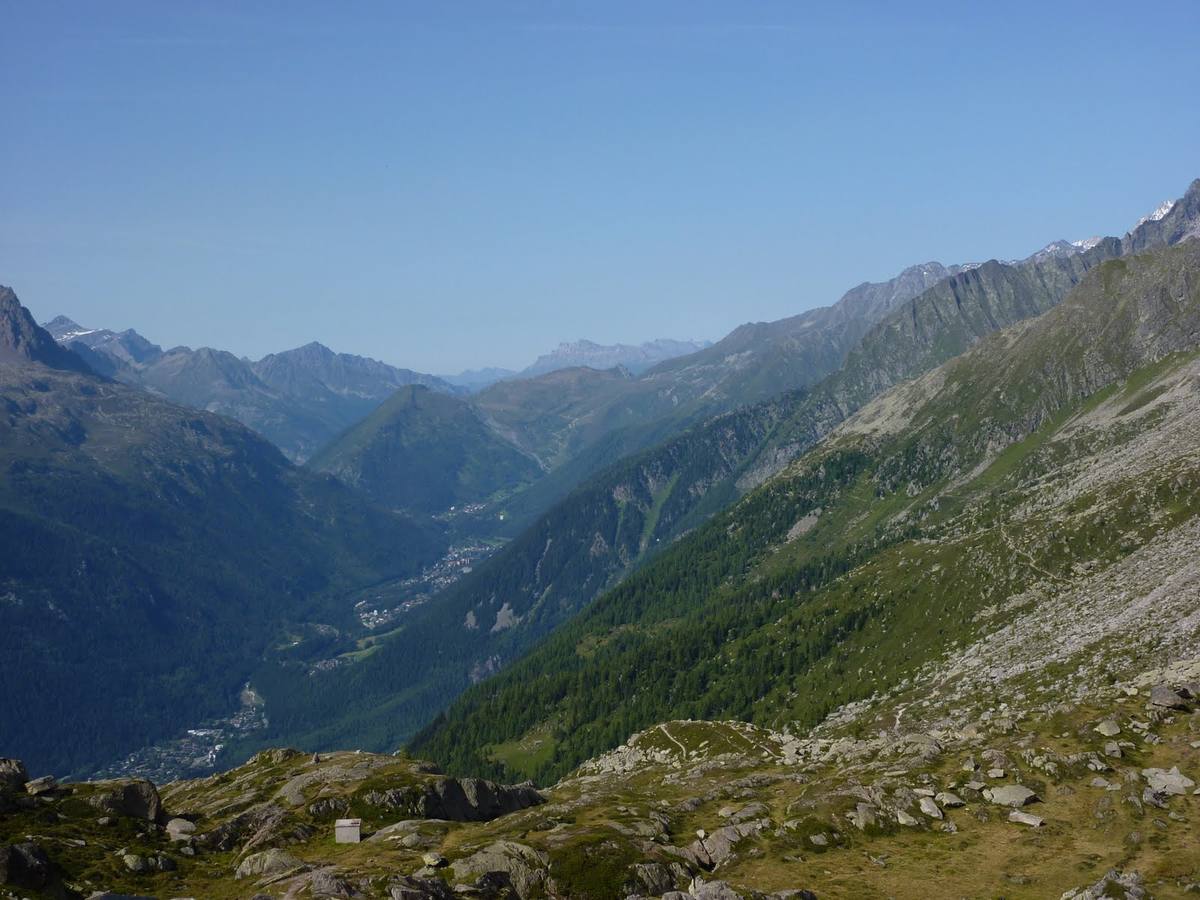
x: 180, y: 829
x: 136, y: 864
x: 1114, y: 884
x: 717, y: 847
x: 930, y: 808
x: 1167, y: 697
x: 1108, y: 728
x: 268, y: 863
x: 256, y: 828
x: 863, y: 816
x: 133, y: 799
x: 905, y: 818
x: 523, y: 867
x: 39, y: 786
x: 328, y: 808
x: 433, y: 860
x: 818, y: 840
x: 712, y: 890
x: 406, y: 887
x: 1166, y: 781
x: 654, y: 878
x: 1024, y: 818
x: 952, y: 801
x: 1010, y: 795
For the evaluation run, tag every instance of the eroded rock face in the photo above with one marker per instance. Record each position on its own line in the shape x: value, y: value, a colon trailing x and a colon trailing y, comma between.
x: 522, y: 866
x: 457, y: 800
x: 268, y: 863
x: 261, y: 826
x: 24, y: 865
x: 12, y: 774
x: 132, y: 799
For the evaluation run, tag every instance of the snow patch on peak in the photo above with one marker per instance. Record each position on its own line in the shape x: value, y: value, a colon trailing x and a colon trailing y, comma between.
x: 1163, y: 209
x: 1087, y: 243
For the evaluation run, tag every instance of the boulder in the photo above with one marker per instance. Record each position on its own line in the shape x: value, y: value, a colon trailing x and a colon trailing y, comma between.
x: 12, y: 774
x: 1162, y: 781
x: 136, y: 863
x: 1014, y: 795
x: 24, y: 865
x: 905, y: 818
x: 1167, y: 697
x: 930, y: 808
x: 952, y: 801
x: 268, y: 863
x: 180, y: 829
x: 717, y: 847
x: 1108, y: 728
x: 131, y: 799
x: 44, y: 785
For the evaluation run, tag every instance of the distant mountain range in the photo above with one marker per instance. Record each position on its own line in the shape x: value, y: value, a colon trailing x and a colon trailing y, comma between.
x: 299, y: 399
x: 636, y: 358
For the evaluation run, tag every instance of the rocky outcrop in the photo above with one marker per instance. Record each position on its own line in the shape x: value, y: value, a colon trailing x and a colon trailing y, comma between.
x: 268, y: 863
x: 24, y: 865
x: 12, y: 774
x: 457, y: 800
x: 524, y: 868
x: 260, y: 826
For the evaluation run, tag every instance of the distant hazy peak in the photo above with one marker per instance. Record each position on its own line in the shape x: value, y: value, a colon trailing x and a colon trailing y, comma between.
x: 634, y: 357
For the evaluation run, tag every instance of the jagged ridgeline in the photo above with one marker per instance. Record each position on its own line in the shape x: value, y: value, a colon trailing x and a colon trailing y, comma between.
x: 152, y: 554
x: 635, y: 508
x: 1054, y: 447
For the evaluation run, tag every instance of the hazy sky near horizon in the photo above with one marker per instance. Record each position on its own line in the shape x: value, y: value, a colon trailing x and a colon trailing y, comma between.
x: 453, y: 185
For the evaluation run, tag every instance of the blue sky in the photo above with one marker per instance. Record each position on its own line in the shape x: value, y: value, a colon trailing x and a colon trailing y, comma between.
x: 447, y: 185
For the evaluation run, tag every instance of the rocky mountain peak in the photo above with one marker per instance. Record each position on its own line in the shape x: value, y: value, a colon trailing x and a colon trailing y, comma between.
x: 22, y: 340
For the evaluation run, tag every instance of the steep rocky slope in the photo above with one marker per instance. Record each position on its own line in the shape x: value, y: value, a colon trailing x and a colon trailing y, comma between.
x: 1064, y: 442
